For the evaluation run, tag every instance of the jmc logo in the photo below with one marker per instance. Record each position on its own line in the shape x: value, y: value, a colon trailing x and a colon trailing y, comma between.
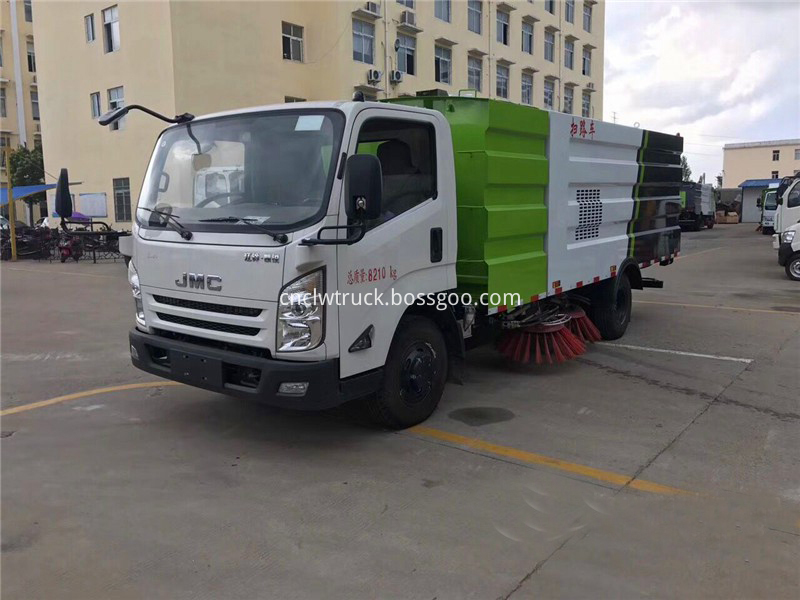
x: 198, y: 281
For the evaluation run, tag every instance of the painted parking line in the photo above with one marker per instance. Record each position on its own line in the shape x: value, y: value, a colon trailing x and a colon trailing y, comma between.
x: 678, y: 352
x: 86, y: 394
x: 736, y: 308
x: 541, y: 459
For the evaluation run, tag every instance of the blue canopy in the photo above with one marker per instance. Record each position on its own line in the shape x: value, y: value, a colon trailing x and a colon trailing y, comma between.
x: 20, y: 191
x: 760, y: 183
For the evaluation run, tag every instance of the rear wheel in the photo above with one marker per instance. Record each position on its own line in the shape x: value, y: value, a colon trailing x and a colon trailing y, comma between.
x: 611, y: 307
x: 414, y: 376
x: 793, y: 267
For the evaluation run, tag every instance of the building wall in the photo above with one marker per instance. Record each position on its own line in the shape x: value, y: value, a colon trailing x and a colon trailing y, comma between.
x: 755, y: 161
x: 72, y: 68
x: 200, y: 57
x: 19, y: 83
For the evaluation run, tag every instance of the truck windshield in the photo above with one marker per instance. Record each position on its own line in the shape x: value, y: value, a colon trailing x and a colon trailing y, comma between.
x: 770, y: 201
x: 275, y: 169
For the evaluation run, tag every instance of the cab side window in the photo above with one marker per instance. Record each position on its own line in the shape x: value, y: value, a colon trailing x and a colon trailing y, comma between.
x: 407, y: 153
x: 794, y: 199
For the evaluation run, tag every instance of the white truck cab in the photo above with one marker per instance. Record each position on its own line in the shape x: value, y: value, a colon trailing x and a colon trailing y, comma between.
x: 769, y: 206
x: 788, y: 211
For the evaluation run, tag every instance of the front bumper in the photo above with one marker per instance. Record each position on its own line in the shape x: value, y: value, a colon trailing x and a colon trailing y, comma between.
x: 784, y: 252
x: 246, y: 376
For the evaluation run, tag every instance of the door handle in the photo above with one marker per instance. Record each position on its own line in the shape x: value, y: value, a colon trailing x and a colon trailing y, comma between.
x: 436, y: 244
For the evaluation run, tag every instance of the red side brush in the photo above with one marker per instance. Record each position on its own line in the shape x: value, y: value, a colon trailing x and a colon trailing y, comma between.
x: 581, y: 325
x: 543, y: 343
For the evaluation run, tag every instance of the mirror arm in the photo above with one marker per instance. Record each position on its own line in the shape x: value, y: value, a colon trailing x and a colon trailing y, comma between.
x: 349, y: 240
x: 106, y: 120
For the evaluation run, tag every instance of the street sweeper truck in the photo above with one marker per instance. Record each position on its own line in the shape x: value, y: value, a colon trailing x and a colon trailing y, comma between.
x: 357, y: 250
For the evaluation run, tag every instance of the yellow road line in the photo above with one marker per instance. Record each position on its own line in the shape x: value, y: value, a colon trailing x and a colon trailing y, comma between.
x: 541, y: 459
x: 737, y: 308
x: 87, y: 393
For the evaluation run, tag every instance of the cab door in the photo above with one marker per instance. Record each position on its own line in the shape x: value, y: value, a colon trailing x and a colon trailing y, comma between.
x: 411, y: 248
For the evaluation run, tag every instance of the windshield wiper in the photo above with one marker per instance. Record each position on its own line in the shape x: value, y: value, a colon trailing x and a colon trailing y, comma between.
x: 171, y: 220
x: 281, y: 238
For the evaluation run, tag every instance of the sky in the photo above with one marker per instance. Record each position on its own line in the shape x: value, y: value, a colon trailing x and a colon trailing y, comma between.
x: 714, y: 71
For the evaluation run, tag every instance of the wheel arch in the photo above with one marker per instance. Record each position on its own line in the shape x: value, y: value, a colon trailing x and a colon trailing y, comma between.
x: 447, y: 323
x: 633, y: 272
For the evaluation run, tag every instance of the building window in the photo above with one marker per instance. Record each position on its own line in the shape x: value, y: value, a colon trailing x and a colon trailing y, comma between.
x: 549, y: 93
x: 587, y: 61
x: 363, y: 41
x: 31, y: 58
x: 797, y: 153
x: 441, y: 10
x: 292, y: 42
x: 405, y: 54
x: 569, y: 55
x: 291, y: 99
x: 550, y: 6
x: 503, y: 29
x: 35, y: 105
x: 94, y: 101
x: 474, y: 15
x: 88, y: 25
x: 549, y: 46
x: 587, y: 16
x: 586, y: 104
x: 116, y: 99
x: 3, y: 112
x: 775, y: 175
x: 527, y: 37
x: 569, y: 95
x: 527, y: 88
x: 122, y: 199
x: 406, y: 3
x: 502, y: 81
x: 28, y: 10
x: 776, y: 155
x: 5, y: 144
x: 1, y: 48
x: 569, y: 11
x: 474, y: 73
x: 111, y: 29
x: 442, y: 66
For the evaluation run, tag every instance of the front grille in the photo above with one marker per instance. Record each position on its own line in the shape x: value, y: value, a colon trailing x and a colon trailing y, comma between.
x: 224, y: 327
x: 200, y: 341
x: 241, y: 311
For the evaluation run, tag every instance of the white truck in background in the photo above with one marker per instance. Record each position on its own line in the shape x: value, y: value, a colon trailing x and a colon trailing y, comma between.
x: 788, y: 211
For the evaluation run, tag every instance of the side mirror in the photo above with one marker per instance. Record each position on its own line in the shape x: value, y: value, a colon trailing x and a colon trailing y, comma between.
x: 113, y: 115
x: 363, y: 184
x: 63, y: 197
x: 758, y: 202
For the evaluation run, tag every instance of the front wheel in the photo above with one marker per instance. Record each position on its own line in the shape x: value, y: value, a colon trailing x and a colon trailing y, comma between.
x: 611, y: 307
x: 793, y: 267
x: 414, y: 376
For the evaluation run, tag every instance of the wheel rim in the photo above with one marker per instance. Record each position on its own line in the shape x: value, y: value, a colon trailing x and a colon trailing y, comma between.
x: 621, y: 306
x: 418, y: 373
x: 794, y: 268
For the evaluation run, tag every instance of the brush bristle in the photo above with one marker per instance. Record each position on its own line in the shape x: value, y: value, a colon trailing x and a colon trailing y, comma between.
x: 550, y: 343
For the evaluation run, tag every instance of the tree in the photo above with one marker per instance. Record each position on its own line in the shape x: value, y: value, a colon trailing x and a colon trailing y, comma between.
x: 687, y: 172
x: 28, y: 169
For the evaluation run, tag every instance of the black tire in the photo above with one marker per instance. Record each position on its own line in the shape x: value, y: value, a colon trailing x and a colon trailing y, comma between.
x: 710, y: 224
x: 413, y: 378
x: 698, y: 224
x: 611, y: 307
x: 793, y: 267
x: 63, y: 258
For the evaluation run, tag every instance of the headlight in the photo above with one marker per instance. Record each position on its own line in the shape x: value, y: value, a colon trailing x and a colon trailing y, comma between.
x: 301, y: 315
x: 788, y: 237
x: 133, y: 279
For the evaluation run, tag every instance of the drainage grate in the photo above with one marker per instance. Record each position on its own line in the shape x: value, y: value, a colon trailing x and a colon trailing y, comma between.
x: 590, y: 214
x: 240, y: 311
x: 210, y: 325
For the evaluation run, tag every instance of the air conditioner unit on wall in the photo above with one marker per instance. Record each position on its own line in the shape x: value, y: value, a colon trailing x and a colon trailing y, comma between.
x: 373, y: 7
x: 374, y: 76
x: 395, y: 76
x: 408, y: 18
x: 590, y: 85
